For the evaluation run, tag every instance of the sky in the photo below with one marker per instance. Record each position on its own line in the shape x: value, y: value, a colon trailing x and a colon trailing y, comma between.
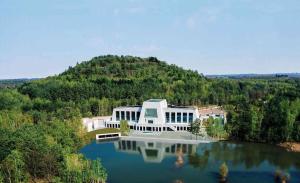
x: 39, y: 38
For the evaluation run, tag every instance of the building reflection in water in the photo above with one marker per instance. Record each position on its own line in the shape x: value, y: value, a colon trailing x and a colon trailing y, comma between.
x: 249, y: 155
x: 156, y: 151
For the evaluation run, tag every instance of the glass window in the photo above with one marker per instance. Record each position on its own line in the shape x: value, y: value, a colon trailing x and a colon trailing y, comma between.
x: 150, y: 121
x: 138, y: 115
x: 122, y: 115
x: 179, y: 117
x: 184, y: 117
x: 118, y: 115
x: 173, y: 117
x: 152, y: 113
x: 132, y: 115
x: 167, y: 117
x: 191, y: 117
x: 128, y: 115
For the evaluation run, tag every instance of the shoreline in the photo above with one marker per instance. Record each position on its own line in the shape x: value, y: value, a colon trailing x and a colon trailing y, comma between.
x: 290, y: 146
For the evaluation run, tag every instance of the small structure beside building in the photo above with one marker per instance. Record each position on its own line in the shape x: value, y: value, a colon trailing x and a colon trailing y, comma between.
x: 212, y: 112
x: 95, y: 123
x: 108, y: 136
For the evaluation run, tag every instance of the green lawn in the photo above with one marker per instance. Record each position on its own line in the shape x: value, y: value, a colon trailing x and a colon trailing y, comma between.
x: 92, y: 135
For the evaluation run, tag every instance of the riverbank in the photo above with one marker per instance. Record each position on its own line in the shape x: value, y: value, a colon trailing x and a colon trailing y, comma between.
x: 291, y: 146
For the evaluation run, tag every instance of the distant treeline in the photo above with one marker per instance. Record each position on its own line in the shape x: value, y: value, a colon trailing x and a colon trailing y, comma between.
x: 12, y: 83
x: 257, y: 76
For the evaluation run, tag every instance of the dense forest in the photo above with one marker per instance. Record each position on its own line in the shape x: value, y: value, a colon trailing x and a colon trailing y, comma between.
x: 40, y: 129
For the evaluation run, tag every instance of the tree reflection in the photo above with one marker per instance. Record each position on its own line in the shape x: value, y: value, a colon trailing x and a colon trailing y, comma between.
x: 199, y: 161
x: 179, y: 160
x: 250, y: 155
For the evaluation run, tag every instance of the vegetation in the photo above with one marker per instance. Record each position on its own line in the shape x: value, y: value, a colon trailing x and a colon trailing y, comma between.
x: 40, y: 120
x: 195, y: 127
x: 12, y: 83
x: 223, y: 172
x: 124, y: 127
x: 215, y: 128
x: 282, y: 177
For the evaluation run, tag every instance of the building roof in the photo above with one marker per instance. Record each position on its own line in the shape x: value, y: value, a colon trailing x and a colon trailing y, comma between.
x: 99, y: 118
x: 211, y: 110
x: 155, y: 100
x: 126, y: 107
x: 182, y: 107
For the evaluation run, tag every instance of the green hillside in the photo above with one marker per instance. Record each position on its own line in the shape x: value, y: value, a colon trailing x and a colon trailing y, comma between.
x: 40, y: 121
x: 258, y: 109
x: 129, y: 79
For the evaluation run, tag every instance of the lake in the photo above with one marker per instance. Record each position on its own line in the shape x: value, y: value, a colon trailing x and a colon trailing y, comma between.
x: 163, y: 162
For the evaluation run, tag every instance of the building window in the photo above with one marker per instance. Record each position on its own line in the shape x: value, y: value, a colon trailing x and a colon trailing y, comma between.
x: 128, y: 115
x: 173, y: 117
x: 184, y: 117
x: 138, y: 115
x: 179, y: 117
x: 118, y: 115
x: 151, y: 113
x: 150, y: 121
x: 132, y: 115
x: 122, y: 115
x: 167, y: 117
x: 191, y: 117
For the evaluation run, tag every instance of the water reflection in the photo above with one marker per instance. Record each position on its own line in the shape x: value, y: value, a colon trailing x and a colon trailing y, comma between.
x: 156, y: 151
x: 200, y: 155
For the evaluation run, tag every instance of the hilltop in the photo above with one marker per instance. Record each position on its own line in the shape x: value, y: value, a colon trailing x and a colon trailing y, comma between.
x: 121, y: 77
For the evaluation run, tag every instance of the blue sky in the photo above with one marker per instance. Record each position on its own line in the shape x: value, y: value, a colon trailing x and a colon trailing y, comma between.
x: 39, y: 38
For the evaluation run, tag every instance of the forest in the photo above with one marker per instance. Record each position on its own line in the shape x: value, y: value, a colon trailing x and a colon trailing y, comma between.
x: 40, y: 120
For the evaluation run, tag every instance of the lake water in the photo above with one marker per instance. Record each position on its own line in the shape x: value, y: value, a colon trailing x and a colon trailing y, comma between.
x: 163, y: 162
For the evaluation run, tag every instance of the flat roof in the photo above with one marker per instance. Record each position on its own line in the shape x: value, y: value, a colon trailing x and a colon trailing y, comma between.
x: 154, y: 100
x: 182, y: 107
x: 134, y: 107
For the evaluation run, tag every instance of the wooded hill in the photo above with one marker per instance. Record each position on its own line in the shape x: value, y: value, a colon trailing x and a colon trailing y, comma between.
x: 258, y: 109
x: 40, y: 121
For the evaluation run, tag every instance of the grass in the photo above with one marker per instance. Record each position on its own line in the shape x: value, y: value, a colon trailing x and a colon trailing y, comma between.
x: 92, y: 135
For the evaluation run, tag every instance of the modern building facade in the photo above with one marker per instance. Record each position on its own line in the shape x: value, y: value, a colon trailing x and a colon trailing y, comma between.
x: 154, y: 115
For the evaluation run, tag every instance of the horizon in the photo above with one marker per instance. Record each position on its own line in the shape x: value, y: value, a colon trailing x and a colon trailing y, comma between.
x: 41, y: 39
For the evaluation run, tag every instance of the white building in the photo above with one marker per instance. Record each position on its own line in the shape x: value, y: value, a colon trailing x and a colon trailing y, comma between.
x: 212, y: 112
x: 95, y: 123
x: 154, y: 115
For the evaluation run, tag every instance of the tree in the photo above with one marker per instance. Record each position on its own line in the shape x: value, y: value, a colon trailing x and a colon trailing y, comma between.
x: 215, y: 128
x: 194, y: 127
x: 223, y: 172
x: 95, y: 172
x: 124, y: 127
x: 13, y: 167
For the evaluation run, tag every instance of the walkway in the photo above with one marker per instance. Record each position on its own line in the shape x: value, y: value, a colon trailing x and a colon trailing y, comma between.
x: 169, y: 136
